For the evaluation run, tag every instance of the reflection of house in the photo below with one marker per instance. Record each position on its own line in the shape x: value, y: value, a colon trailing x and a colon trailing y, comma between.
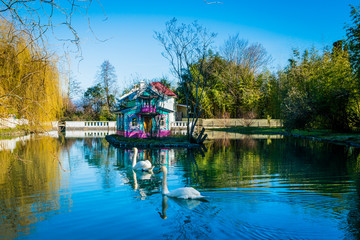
x: 148, y: 110
x: 155, y: 156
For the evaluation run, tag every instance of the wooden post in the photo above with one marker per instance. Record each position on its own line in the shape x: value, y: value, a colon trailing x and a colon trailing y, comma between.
x: 198, y: 124
x: 203, y: 139
x: 200, y: 135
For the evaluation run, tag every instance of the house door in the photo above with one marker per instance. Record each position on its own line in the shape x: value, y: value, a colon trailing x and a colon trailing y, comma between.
x: 147, y: 124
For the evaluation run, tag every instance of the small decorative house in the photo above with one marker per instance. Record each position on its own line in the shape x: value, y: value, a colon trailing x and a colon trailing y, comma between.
x: 148, y: 110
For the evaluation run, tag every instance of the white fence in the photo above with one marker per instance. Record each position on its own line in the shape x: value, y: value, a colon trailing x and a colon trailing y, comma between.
x: 90, y: 125
x: 239, y: 122
x: 179, y: 125
x: 10, y: 144
x: 88, y: 134
x: 12, y: 122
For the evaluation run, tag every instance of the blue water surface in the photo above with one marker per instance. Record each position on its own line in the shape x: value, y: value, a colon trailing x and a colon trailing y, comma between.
x: 257, y: 188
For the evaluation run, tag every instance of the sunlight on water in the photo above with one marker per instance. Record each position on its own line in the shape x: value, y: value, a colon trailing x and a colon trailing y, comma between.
x: 257, y: 188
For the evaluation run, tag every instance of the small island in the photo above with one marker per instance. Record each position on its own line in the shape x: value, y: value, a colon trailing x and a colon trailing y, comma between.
x: 173, y: 142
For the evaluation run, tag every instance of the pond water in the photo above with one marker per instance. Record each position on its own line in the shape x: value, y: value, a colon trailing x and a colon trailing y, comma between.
x: 257, y: 188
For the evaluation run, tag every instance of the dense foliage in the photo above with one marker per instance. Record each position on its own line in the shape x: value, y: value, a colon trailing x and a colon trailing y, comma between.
x: 317, y: 89
x: 29, y: 81
x: 353, y: 35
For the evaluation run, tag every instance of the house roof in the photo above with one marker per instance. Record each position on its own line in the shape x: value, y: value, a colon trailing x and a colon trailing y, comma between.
x: 155, y: 88
x: 127, y: 94
x: 181, y: 105
x: 162, y: 88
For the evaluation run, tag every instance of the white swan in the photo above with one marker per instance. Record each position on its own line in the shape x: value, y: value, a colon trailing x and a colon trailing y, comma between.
x: 182, y: 193
x: 141, y: 165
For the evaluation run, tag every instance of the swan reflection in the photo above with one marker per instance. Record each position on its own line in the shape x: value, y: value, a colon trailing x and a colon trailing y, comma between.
x: 183, y: 203
x: 144, y: 182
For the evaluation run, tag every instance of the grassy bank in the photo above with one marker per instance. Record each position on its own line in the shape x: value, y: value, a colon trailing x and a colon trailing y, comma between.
x: 12, y: 132
x: 321, y: 135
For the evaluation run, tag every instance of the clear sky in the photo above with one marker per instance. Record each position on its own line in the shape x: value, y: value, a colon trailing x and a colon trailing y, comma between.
x: 129, y: 31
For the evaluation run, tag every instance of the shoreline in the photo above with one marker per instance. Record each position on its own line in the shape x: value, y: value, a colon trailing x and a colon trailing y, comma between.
x: 13, y: 133
x: 350, y: 139
x: 147, y: 143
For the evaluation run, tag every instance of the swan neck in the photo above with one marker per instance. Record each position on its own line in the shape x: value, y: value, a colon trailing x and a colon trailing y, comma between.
x: 134, y: 158
x: 164, y: 207
x: 165, y: 189
x: 135, y: 180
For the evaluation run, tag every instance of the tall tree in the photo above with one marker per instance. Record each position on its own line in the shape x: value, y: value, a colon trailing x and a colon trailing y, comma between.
x: 187, y: 47
x: 353, y: 39
x: 107, y: 80
x: 241, y: 73
x: 29, y: 80
x: 94, y: 99
x: 319, y: 90
x: 252, y: 57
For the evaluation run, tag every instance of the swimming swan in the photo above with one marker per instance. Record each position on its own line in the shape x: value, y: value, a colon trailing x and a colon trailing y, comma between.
x: 182, y: 193
x: 141, y: 165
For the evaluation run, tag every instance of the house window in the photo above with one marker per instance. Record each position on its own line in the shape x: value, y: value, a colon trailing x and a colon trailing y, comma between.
x: 147, y: 102
x: 134, y: 121
x: 163, y: 122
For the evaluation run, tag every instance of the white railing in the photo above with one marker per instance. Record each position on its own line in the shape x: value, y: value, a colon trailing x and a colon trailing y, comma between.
x: 88, y: 134
x: 12, y: 122
x: 90, y: 124
x: 10, y: 144
x: 179, y: 124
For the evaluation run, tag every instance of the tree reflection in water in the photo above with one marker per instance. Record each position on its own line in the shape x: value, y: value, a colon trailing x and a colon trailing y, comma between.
x: 292, y: 164
x: 145, y: 183
x: 312, y: 180
x: 30, y: 174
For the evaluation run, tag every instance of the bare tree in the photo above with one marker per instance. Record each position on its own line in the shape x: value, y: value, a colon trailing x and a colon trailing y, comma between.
x: 107, y: 80
x: 187, y: 48
x: 244, y: 64
x: 35, y: 19
x: 250, y: 56
x: 26, y: 28
x: 72, y: 85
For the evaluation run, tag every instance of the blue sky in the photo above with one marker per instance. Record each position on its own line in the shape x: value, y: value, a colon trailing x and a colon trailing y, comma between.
x: 129, y: 29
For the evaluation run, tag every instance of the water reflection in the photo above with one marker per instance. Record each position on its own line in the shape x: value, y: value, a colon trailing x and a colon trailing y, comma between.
x: 183, y: 203
x: 88, y: 134
x: 29, y: 185
x: 146, y: 183
x: 315, y: 176
x: 155, y: 156
x: 11, y: 143
x: 259, y: 188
